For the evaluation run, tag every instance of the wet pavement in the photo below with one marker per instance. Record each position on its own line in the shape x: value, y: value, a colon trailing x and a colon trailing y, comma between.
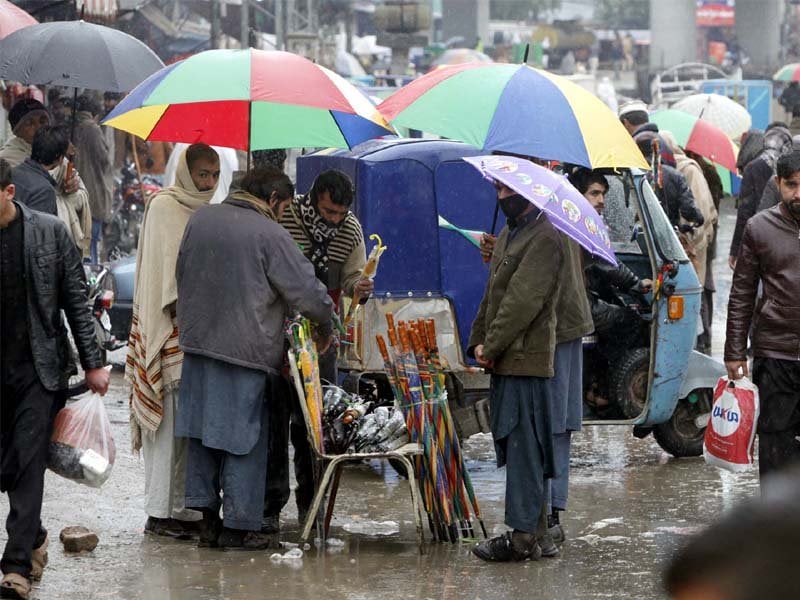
x: 631, y: 506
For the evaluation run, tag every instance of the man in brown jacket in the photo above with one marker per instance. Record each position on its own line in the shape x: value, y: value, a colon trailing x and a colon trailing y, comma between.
x: 770, y: 254
x: 514, y: 335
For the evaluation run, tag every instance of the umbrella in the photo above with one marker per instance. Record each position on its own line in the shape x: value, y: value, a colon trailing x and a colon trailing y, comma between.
x: 565, y: 207
x: 699, y: 136
x: 458, y: 56
x: 721, y: 111
x: 789, y: 72
x: 12, y: 18
x: 76, y: 54
x: 517, y: 109
x: 251, y: 100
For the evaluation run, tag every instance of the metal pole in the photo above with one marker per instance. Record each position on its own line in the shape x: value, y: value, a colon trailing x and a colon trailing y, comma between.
x: 215, y: 25
x: 279, y: 26
x: 245, y: 23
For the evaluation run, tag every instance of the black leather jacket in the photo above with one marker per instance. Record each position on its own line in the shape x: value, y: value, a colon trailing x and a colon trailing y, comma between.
x: 56, y: 282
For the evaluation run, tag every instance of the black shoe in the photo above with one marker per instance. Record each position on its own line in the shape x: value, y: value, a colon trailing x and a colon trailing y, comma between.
x: 172, y: 528
x: 239, y: 539
x: 502, y: 549
x: 271, y: 524
x: 210, y: 528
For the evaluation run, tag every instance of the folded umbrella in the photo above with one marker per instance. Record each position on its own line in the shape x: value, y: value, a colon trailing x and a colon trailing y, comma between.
x: 565, y: 207
x: 251, y: 100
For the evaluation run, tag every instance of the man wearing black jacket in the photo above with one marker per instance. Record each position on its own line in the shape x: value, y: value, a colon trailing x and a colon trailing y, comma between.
x: 35, y: 186
x: 41, y: 275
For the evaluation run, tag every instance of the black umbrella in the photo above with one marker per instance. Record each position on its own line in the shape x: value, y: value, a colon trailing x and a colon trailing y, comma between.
x: 76, y: 54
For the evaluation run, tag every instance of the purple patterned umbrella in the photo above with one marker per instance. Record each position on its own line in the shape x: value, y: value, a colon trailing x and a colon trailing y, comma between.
x: 565, y: 207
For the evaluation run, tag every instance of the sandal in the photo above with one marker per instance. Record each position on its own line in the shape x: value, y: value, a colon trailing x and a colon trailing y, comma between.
x: 16, y: 586
x: 39, y: 560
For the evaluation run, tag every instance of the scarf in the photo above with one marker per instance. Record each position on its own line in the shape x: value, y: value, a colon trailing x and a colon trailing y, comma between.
x: 154, y: 358
x: 15, y: 151
x: 320, y: 235
x: 777, y: 142
x: 259, y: 205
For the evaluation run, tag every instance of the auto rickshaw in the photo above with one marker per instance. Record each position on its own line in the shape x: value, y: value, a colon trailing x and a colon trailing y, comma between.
x: 427, y: 205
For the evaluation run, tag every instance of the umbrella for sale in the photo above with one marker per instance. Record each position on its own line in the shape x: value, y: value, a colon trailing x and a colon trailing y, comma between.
x: 698, y: 136
x: 565, y: 207
x: 471, y: 235
x: 251, y: 100
x: 789, y: 72
x: 76, y: 54
x: 516, y: 109
x: 12, y: 18
x: 722, y: 112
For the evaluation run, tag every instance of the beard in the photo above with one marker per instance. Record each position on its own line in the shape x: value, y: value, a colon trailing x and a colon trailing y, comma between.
x: 794, y: 208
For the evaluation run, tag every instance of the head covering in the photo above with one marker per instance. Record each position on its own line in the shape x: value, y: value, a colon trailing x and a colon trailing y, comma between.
x: 23, y: 109
x: 273, y: 158
x: 750, y: 148
x: 777, y: 142
x: 185, y: 191
x: 632, y: 106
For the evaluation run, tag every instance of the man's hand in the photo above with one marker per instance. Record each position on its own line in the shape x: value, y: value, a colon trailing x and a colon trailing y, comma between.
x: 732, y: 262
x: 736, y: 369
x: 70, y: 184
x: 363, y: 288
x: 481, y: 358
x: 645, y: 285
x: 97, y: 380
x: 487, y: 246
x: 323, y: 342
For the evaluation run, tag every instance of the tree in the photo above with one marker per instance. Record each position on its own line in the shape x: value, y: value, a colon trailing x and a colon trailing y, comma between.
x: 624, y: 14
x: 521, y: 10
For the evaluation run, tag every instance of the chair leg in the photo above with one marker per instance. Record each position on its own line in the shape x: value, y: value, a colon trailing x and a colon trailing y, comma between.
x: 318, y: 498
x: 412, y: 483
x: 332, y: 500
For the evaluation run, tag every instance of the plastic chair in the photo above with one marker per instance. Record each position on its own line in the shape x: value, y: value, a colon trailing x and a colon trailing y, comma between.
x: 334, y: 463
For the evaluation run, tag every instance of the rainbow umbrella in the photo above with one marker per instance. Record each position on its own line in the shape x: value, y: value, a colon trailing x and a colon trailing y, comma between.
x: 516, y: 109
x: 698, y: 136
x: 789, y: 72
x: 251, y: 100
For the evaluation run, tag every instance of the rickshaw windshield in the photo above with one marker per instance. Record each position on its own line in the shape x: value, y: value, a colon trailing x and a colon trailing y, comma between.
x: 620, y: 213
x: 667, y: 243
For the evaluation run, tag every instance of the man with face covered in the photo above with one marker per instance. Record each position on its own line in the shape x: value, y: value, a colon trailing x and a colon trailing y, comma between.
x: 155, y: 361
x: 770, y: 255
x: 514, y: 336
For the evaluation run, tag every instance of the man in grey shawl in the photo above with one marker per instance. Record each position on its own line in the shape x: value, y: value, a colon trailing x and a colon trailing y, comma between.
x: 238, y: 272
x: 514, y: 336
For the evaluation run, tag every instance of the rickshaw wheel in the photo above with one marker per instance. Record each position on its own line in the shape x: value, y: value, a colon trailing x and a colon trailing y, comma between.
x: 628, y: 382
x: 680, y: 436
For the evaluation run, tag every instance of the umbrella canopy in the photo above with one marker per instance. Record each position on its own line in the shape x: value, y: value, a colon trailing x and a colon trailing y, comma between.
x: 251, y: 100
x: 699, y: 136
x: 458, y: 56
x: 565, y: 207
x: 720, y: 111
x: 76, y: 54
x: 518, y: 109
x: 12, y: 18
x: 789, y: 72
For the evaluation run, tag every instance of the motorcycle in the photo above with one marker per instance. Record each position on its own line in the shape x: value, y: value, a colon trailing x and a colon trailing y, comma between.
x: 101, y: 299
x: 122, y: 234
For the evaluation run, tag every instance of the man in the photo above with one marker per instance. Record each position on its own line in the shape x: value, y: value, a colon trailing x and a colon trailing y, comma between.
x: 94, y: 161
x: 238, y: 273
x: 635, y: 118
x: 770, y: 255
x: 777, y: 142
x: 115, y: 138
x: 40, y: 276
x: 228, y: 165
x: 154, y: 358
x: 514, y: 335
x: 330, y: 236
x: 35, y: 187
x: 72, y: 199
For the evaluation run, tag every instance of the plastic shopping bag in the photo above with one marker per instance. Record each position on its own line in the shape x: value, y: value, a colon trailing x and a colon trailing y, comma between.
x: 82, y: 447
x: 731, y: 429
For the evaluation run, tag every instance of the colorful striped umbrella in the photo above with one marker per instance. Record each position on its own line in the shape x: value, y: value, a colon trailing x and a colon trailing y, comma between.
x: 251, y: 100
x: 516, y: 109
x: 698, y: 136
x: 721, y: 111
x: 789, y: 72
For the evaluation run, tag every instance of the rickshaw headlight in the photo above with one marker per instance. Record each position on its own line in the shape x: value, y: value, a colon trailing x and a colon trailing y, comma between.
x: 675, y: 307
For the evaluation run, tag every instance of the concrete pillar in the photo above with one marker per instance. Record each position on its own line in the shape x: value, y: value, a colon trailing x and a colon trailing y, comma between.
x: 467, y: 18
x: 674, y: 33
x: 758, y: 30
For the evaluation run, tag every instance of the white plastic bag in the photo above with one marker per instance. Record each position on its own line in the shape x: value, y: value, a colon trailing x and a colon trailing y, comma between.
x: 82, y: 448
x: 731, y: 430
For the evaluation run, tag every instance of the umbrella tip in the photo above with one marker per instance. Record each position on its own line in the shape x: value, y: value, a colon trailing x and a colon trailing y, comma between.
x: 525, y: 57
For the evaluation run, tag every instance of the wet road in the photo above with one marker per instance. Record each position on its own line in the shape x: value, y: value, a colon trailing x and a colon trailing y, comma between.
x: 631, y: 505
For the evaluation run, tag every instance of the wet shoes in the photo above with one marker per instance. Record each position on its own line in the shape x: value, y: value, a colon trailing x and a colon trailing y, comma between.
x: 180, y: 530
x: 271, y: 524
x: 239, y: 539
x: 555, y: 529
x: 210, y: 529
x: 506, y: 548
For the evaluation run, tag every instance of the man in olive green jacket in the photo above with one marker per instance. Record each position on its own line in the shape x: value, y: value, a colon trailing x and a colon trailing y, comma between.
x: 514, y: 335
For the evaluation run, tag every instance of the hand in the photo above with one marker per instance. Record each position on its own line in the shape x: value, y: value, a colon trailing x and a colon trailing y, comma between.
x: 645, y: 285
x: 736, y: 369
x: 487, y: 246
x: 97, y: 380
x: 732, y: 262
x: 323, y: 343
x: 363, y: 288
x: 481, y: 358
x: 70, y: 185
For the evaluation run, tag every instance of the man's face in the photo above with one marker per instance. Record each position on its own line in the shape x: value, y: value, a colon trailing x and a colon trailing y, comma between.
x: 790, y: 193
x: 30, y: 125
x: 332, y: 213
x: 205, y: 174
x: 109, y: 104
x: 596, y: 195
